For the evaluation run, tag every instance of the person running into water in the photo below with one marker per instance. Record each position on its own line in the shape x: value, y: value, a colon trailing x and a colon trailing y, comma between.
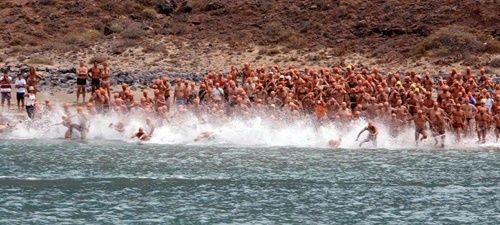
x: 497, y: 122
x: 66, y: 121
x: 81, y: 81
x: 372, y: 134
x: 482, y: 125
x: 420, y: 121
x: 439, y: 124
x: 83, y: 123
x: 30, y: 102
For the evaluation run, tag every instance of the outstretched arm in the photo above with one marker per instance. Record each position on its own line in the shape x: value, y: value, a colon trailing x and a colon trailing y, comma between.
x: 366, y: 128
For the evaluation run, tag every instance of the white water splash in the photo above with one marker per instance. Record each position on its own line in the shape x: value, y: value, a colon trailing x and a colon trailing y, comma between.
x: 254, y: 131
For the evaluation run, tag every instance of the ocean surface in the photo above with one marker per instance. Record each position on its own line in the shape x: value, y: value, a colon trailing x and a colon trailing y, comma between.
x: 113, y: 182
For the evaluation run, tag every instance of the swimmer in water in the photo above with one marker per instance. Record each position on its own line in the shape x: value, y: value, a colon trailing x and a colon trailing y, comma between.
x: 207, y: 135
x: 335, y: 142
x: 141, y: 135
x: 372, y: 134
x: 119, y: 127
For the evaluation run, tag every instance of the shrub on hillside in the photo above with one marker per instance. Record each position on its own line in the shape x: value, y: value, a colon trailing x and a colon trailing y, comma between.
x: 133, y: 31
x: 495, y: 63
x: 456, y: 41
x: 153, y: 47
x: 121, y: 46
x: 41, y: 60
x: 276, y: 33
x: 178, y: 28
x: 149, y: 13
x: 99, y: 59
x: 83, y: 39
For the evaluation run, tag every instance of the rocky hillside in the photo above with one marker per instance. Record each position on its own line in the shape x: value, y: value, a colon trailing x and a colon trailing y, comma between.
x: 444, y: 31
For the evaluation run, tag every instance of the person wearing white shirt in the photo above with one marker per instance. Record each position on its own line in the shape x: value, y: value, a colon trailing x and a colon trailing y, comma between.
x: 20, y: 84
x: 30, y: 102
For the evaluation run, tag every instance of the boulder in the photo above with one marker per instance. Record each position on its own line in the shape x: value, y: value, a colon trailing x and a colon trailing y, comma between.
x: 70, y: 76
x: 213, y: 6
x: 24, y: 69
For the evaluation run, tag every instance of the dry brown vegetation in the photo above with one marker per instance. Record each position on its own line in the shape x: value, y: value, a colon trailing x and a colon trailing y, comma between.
x: 121, y: 46
x: 83, y: 38
x: 98, y: 59
x: 457, y: 41
x: 495, y: 63
x: 40, y: 60
x: 419, y: 28
x: 133, y: 31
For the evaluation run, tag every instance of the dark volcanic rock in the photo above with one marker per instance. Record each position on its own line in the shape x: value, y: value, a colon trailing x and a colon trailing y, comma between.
x: 65, y: 78
x: 70, y: 76
x: 165, y: 7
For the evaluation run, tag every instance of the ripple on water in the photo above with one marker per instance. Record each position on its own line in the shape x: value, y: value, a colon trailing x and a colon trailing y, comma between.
x: 64, y: 183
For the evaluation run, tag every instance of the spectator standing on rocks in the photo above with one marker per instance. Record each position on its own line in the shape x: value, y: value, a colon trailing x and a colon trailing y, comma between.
x: 33, y: 79
x: 81, y: 81
x: 20, y: 84
x: 95, y: 75
x: 106, y: 78
x: 6, y: 89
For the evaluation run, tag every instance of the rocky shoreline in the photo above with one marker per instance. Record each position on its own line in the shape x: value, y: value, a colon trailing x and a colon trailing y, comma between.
x: 64, y: 78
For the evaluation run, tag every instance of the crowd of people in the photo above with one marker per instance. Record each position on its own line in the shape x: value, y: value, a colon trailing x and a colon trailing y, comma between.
x: 463, y: 103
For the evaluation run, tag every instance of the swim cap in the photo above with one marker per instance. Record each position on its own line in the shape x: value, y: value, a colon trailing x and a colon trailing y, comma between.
x: 483, y: 100
x: 398, y: 83
x: 417, y: 90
